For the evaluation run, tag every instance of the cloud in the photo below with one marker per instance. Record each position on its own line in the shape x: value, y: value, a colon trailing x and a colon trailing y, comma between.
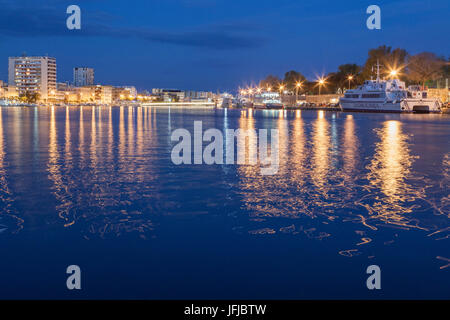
x: 30, y: 21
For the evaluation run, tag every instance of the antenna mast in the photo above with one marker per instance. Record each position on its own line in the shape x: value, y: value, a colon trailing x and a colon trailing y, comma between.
x: 378, y: 70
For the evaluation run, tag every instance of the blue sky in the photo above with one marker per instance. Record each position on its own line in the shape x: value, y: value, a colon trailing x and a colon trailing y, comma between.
x: 214, y: 44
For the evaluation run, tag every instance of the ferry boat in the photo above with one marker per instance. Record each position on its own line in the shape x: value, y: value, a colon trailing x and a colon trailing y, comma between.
x: 225, y: 100
x: 388, y: 96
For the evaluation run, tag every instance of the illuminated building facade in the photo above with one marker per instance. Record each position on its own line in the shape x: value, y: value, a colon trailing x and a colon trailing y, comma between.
x: 33, y: 74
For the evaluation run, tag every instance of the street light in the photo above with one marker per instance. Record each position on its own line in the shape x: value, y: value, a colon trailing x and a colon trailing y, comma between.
x: 298, y: 85
x: 350, y: 78
x: 250, y: 93
x: 321, y: 82
x: 393, y: 73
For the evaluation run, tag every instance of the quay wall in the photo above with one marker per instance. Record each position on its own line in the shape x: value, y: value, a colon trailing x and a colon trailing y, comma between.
x: 323, y: 98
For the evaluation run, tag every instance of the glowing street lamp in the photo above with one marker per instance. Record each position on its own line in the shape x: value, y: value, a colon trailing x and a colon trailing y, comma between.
x: 350, y: 78
x: 298, y: 85
x: 269, y: 89
x: 393, y: 73
x: 321, y: 82
x: 281, y: 89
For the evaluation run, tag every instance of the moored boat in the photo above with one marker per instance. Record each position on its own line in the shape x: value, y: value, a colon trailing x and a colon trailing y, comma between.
x: 388, y: 96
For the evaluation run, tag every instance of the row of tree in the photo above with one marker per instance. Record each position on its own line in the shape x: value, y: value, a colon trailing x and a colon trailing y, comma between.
x: 413, y: 69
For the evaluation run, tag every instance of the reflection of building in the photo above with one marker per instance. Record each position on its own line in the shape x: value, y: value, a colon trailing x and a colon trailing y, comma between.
x: 33, y: 74
x: 83, y: 77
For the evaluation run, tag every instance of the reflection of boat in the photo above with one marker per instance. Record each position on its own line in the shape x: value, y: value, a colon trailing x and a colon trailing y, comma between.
x: 388, y: 96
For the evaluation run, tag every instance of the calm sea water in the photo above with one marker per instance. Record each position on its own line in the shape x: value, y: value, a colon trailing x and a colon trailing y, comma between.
x: 96, y: 187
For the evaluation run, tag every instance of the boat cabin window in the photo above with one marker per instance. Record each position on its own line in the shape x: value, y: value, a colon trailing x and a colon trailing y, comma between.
x: 371, y: 95
x: 349, y: 95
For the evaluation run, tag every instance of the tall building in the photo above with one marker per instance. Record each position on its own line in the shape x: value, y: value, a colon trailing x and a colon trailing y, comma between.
x: 33, y: 74
x: 83, y: 77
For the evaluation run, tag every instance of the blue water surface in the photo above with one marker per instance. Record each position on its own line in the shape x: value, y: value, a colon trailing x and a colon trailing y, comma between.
x: 96, y: 187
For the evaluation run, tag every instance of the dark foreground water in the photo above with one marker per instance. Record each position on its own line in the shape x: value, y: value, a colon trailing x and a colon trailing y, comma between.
x: 96, y: 187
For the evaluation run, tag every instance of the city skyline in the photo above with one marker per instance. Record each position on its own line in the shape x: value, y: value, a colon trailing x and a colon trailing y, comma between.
x: 213, y: 45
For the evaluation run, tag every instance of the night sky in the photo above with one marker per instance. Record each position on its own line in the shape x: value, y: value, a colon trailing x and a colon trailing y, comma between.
x: 214, y: 44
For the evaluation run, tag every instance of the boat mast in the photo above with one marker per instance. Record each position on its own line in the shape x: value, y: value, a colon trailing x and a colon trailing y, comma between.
x: 378, y: 71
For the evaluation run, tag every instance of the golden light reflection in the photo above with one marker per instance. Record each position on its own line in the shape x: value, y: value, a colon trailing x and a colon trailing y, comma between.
x: 139, y: 145
x: 6, y: 199
x: 81, y: 135
x: 388, y: 172
x: 53, y: 151
x: 130, y: 130
x: 121, y: 133
x: 392, y: 160
x: 298, y: 161
x: 2, y: 152
x: 350, y: 150
x: 68, y: 154
x: 247, y: 123
x: 251, y: 182
x: 321, y: 153
x: 283, y: 144
x: 93, y: 146
x: 55, y: 175
x: 110, y: 134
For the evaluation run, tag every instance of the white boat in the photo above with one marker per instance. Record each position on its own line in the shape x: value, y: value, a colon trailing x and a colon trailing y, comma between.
x: 268, y: 100
x: 225, y: 100
x: 388, y: 96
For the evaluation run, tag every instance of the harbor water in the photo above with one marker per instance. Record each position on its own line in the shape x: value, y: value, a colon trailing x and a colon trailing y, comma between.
x: 96, y: 187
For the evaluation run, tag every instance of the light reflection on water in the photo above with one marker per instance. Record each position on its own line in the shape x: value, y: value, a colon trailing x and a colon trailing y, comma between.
x: 109, y: 174
x: 324, y: 175
x: 8, y: 217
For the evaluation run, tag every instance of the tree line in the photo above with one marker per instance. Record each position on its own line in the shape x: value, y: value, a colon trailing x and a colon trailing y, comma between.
x: 413, y: 69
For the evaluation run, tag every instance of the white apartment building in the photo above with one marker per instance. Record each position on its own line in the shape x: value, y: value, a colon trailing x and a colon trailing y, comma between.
x: 83, y: 76
x: 33, y: 74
